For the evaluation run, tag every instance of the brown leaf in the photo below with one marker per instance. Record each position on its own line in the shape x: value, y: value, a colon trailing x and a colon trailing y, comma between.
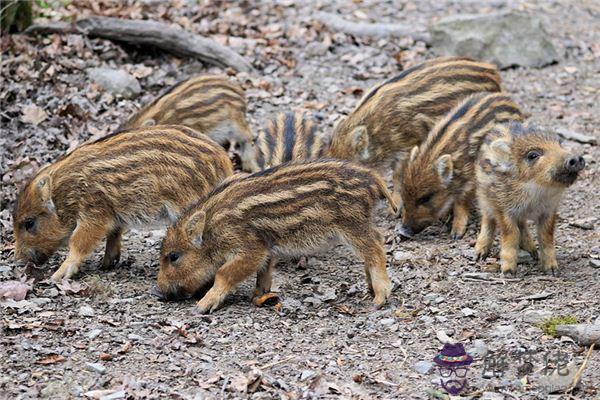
x: 106, y: 356
x: 52, y: 359
x: 126, y: 347
x: 354, y: 90
x: 268, y: 299
x: 33, y: 114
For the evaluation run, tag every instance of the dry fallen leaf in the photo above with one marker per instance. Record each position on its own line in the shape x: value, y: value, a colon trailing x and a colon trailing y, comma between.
x: 33, y: 114
x: 52, y: 359
x: 268, y: 299
x: 106, y: 356
x: 15, y: 290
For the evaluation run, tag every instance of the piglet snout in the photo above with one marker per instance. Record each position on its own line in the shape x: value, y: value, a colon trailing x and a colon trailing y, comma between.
x: 575, y: 164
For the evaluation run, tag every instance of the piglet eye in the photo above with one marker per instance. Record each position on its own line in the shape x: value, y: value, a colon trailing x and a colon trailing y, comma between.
x: 533, y: 155
x: 173, y: 256
x: 28, y: 224
x: 424, y: 199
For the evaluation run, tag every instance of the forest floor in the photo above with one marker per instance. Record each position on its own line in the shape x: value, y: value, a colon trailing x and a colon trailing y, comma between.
x: 105, y: 331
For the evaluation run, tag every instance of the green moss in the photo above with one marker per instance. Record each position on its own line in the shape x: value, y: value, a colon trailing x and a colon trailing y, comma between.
x: 549, y: 324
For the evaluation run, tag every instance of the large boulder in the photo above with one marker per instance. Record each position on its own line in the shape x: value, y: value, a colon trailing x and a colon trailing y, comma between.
x: 115, y: 81
x: 506, y: 39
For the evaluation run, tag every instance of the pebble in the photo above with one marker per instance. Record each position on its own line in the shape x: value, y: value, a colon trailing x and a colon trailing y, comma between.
x: 86, y: 311
x: 94, y: 333
x: 134, y: 337
x: 387, y: 321
x: 402, y: 256
x: 479, y: 349
x: 594, y: 263
x: 503, y: 330
x: 468, y: 312
x: 423, y: 367
x: 492, y: 396
x: 95, y: 367
x: 307, y: 374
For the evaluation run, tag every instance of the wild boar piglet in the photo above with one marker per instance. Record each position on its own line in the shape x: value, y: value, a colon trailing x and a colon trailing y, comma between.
x: 522, y: 174
x: 289, y: 210
x: 128, y: 179
x: 290, y: 136
x: 211, y: 104
x: 397, y: 114
x: 439, y: 175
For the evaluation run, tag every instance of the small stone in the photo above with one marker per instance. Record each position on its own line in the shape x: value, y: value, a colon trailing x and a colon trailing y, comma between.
x: 594, y: 263
x: 402, y: 256
x: 94, y: 333
x: 315, y: 49
x: 479, y: 349
x: 387, y: 321
x: 429, y: 298
x: 423, y: 367
x: 95, y: 367
x: 307, y: 374
x: 313, y: 301
x: 441, y: 318
x: 134, y: 337
x: 492, y: 396
x: 439, y: 299
x: 503, y: 330
x: 115, y: 81
x: 468, y: 312
x: 536, y: 316
x: 86, y: 311
x: 524, y: 256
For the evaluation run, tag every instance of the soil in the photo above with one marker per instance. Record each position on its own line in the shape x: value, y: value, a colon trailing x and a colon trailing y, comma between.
x: 104, y: 331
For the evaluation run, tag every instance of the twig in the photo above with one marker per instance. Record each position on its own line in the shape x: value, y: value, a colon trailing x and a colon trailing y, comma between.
x: 267, y: 366
x: 579, y: 373
x: 576, y: 136
x: 150, y: 33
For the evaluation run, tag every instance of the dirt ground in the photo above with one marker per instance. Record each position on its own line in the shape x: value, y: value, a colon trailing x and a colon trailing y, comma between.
x: 104, y: 330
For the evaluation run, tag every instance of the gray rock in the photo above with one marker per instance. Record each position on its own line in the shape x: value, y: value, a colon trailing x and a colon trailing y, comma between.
x: 492, y: 396
x: 505, y: 39
x: 503, y: 330
x: 468, y: 312
x: 594, y: 263
x: 556, y: 382
x: 423, y: 367
x: 94, y: 333
x: 387, y: 321
x: 95, y: 367
x: 134, y: 337
x: 86, y: 311
x: 291, y: 304
x: 315, y: 49
x: 536, y: 316
x: 524, y: 256
x: 115, y: 81
x: 479, y: 349
x: 402, y: 255
x: 307, y: 374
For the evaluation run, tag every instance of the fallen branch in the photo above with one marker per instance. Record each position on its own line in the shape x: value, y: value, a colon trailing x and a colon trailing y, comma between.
x: 150, y: 33
x: 583, y: 334
x: 579, y: 373
x: 576, y: 136
x: 337, y: 23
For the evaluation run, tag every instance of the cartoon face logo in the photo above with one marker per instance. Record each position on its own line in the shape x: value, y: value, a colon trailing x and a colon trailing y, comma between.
x: 453, y: 364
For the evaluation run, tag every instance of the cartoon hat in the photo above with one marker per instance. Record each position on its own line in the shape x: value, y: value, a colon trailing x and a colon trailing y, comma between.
x: 453, y: 355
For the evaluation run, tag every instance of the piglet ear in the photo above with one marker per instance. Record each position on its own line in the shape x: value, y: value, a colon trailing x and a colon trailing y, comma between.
x: 44, y: 187
x: 445, y: 168
x: 195, y: 227
x: 499, y: 155
x: 360, y: 142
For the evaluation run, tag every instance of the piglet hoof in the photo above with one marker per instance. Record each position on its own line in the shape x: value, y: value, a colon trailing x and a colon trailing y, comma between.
x: 534, y: 254
x: 509, y: 273
x: 456, y: 235
x: 108, y: 264
x: 200, y: 310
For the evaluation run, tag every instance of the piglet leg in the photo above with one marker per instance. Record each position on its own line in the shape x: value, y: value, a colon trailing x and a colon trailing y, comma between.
x: 84, y: 239
x: 509, y: 244
x: 112, y: 254
x: 545, y: 228
x: 229, y: 276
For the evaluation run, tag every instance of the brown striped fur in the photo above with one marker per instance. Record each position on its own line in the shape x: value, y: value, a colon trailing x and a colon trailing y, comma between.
x: 288, y: 210
x: 440, y: 174
x: 132, y: 178
x: 210, y: 104
x: 397, y: 114
x: 290, y: 136
x: 522, y: 173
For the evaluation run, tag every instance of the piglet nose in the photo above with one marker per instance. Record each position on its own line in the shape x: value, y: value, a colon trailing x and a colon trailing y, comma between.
x: 155, y: 291
x: 575, y: 163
